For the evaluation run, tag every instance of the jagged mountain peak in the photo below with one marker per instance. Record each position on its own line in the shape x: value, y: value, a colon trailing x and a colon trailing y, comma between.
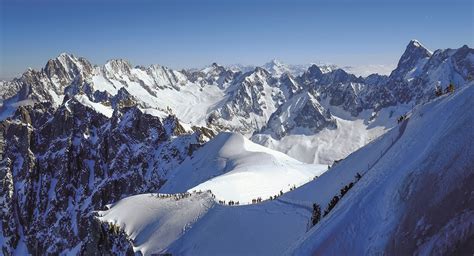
x: 416, y: 44
x: 313, y: 73
x: 261, y: 70
x: 414, y: 57
x: 118, y: 62
x: 213, y: 68
x: 66, y: 55
x: 415, y: 47
x: 67, y: 64
x: 117, y: 67
x: 277, y: 68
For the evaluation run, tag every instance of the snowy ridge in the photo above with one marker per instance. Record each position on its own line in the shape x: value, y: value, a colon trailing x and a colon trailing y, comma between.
x: 233, y: 168
x: 170, y: 218
x: 79, y: 137
x: 435, y: 135
x: 407, y: 207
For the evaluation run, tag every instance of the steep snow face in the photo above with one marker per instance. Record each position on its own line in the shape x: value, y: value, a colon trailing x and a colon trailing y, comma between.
x: 415, y: 198
x: 234, y: 168
x: 99, y: 108
x: 406, y: 202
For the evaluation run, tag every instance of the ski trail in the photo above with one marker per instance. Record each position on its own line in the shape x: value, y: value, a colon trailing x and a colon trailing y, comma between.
x: 300, y: 205
x: 401, y: 130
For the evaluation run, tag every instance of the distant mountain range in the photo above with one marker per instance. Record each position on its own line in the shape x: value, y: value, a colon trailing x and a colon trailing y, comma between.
x: 270, y: 103
x: 77, y: 137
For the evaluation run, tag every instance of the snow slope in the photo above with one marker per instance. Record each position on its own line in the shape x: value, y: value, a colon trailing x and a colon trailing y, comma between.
x: 332, y: 144
x: 415, y: 199
x: 160, y: 222
x: 197, y: 226
x: 184, y: 100
x: 407, y: 201
x: 234, y: 168
x: 98, y: 107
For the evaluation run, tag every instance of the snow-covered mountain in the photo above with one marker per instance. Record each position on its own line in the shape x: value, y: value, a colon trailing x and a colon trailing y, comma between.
x: 370, y: 104
x: 235, y: 100
x: 60, y: 164
x: 413, y: 197
x: 277, y: 68
x: 76, y: 137
x: 406, y: 192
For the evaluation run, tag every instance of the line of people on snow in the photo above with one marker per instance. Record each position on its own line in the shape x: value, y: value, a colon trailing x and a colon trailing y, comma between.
x: 316, y: 214
x: 231, y: 202
x: 401, y: 118
x: 439, y: 90
x: 255, y: 200
x: 179, y: 196
x: 176, y: 197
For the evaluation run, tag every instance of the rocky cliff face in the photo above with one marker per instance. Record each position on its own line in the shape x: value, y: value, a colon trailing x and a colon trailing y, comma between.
x: 300, y: 115
x: 62, y: 164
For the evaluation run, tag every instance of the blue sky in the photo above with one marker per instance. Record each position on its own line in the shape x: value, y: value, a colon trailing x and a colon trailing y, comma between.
x: 183, y: 34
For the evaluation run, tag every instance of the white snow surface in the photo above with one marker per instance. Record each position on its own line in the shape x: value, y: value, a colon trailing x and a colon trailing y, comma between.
x: 334, y: 144
x: 98, y: 107
x: 234, y: 168
x: 411, y: 171
x: 153, y: 223
x: 433, y: 147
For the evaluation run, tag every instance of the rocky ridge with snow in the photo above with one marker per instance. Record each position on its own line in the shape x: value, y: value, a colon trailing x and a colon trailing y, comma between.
x: 61, y: 164
x: 242, y: 101
x: 78, y: 137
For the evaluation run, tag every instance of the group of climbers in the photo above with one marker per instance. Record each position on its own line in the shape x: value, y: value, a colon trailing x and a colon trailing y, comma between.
x: 231, y: 202
x: 176, y: 197
x: 439, y: 90
x: 316, y: 213
x: 401, y: 118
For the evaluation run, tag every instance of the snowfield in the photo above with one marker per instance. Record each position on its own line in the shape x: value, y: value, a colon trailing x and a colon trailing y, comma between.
x: 328, y: 145
x: 407, y: 200
x: 234, y: 168
x: 170, y: 218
